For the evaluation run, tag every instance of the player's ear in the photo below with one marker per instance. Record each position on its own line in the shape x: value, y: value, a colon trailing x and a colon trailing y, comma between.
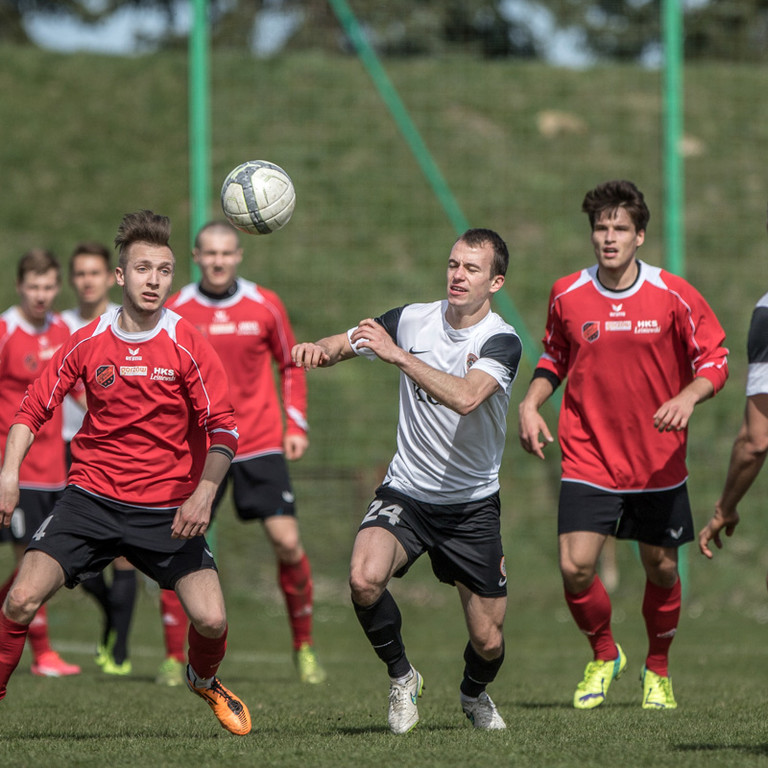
x: 497, y: 281
x: 119, y: 276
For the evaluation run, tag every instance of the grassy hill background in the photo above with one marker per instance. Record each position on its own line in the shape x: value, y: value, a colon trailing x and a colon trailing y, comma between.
x: 88, y: 138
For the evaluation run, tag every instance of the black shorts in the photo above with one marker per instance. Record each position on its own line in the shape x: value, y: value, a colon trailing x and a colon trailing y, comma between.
x: 85, y: 533
x: 260, y: 488
x: 33, y: 508
x: 658, y: 518
x: 463, y: 540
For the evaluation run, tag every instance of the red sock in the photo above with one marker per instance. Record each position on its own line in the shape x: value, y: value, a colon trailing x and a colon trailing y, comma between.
x: 296, y: 582
x: 206, y: 653
x: 38, y: 633
x: 174, y: 624
x: 591, y: 610
x: 12, y: 638
x: 661, y: 611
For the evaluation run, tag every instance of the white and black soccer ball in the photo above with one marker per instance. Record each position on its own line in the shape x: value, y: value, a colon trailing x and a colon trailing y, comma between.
x: 258, y: 197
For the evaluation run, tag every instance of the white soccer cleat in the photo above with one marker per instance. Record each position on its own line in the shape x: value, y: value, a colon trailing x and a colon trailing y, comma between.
x: 482, y: 712
x: 403, y: 712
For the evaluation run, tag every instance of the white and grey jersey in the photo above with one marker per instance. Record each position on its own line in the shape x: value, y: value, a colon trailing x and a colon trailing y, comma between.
x: 757, y: 349
x: 442, y: 457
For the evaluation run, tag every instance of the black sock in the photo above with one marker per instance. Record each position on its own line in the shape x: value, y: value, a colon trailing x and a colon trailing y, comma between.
x: 381, y: 623
x: 478, y: 672
x: 122, y: 597
x: 97, y: 587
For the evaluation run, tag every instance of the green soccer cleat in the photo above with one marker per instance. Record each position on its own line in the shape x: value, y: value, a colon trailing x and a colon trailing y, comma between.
x: 657, y: 691
x: 111, y: 667
x: 171, y: 673
x: 598, y: 676
x: 104, y: 650
x: 308, y: 666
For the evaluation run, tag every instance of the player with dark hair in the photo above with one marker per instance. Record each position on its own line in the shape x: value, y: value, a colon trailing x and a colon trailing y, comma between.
x: 248, y: 326
x: 457, y: 362
x: 30, y: 333
x: 156, y: 392
x: 640, y: 348
x: 91, y: 276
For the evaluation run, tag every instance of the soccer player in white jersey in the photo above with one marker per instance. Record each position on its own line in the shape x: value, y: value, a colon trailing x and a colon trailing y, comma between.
x: 457, y: 362
x: 91, y: 277
x: 157, y: 439
x: 751, y: 444
x: 640, y: 348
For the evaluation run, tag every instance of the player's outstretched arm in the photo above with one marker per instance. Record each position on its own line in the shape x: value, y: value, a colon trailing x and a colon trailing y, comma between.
x: 531, y: 423
x: 323, y: 353
x: 747, y: 458
x: 20, y: 438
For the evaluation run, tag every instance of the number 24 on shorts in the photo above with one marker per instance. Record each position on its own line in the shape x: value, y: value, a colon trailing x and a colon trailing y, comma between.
x: 377, y: 509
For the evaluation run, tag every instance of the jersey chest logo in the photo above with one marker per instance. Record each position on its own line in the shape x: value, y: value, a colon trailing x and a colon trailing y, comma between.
x: 590, y: 331
x: 105, y: 375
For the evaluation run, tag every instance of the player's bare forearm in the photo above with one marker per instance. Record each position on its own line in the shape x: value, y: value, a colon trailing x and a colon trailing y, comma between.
x: 323, y: 353
x: 531, y: 423
x: 193, y: 517
x: 20, y: 438
x: 676, y: 412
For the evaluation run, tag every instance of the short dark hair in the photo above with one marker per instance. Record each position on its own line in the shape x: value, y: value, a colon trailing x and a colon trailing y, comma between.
x: 38, y: 261
x: 477, y: 237
x: 220, y: 225
x: 613, y: 195
x: 91, y: 248
x: 141, y: 227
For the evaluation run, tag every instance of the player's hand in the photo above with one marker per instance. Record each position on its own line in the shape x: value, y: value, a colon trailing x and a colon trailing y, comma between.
x: 193, y: 517
x: 375, y: 337
x: 295, y: 445
x: 9, y: 498
x: 711, y: 531
x: 675, y: 413
x: 530, y: 426
x: 308, y: 355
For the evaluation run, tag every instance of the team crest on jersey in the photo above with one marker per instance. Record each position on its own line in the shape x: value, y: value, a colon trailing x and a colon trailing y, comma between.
x: 105, y: 375
x: 590, y: 331
x: 471, y: 360
x: 31, y: 362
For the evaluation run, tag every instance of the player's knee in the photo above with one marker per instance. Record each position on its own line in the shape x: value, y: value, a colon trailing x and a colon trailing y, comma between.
x: 364, y: 587
x: 21, y: 604
x: 576, y: 576
x: 288, y: 549
x: 211, y: 624
x: 489, y: 644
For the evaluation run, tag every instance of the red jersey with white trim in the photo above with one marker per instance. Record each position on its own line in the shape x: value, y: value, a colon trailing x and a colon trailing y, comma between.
x: 250, y: 329
x: 156, y: 400
x: 624, y: 354
x: 25, y: 351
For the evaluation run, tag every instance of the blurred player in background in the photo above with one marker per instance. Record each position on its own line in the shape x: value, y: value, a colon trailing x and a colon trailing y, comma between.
x: 751, y: 444
x: 640, y: 348
x: 30, y: 334
x: 248, y: 326
x: 92, y: 277
x: 157, y: 439
x: 457, y: 362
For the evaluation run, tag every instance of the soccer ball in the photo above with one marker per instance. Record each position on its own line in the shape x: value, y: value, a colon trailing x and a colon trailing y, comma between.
x: 258, y: 197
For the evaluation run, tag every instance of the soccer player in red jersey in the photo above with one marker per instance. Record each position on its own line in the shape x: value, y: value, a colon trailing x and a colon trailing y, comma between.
x: 248, y: 326
x: 30, y: 333
x: 157, y: 439
x: 91, y: 276
x: 640, y: 348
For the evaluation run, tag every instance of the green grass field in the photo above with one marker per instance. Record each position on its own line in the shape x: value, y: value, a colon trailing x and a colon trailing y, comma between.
x: 87, y: 138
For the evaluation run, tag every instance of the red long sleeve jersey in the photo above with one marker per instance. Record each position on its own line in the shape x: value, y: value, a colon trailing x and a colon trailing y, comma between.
x: 156, y: 400
x: 624, y: 354
x: 24, y: 352
x: 250, y: 329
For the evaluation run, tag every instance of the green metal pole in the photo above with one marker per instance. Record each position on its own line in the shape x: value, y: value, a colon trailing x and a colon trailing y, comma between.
x: 199, y: 122
x: 674, y: 223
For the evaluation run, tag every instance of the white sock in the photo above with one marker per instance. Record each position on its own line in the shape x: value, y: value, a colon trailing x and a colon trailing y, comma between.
x: 198, y: 682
